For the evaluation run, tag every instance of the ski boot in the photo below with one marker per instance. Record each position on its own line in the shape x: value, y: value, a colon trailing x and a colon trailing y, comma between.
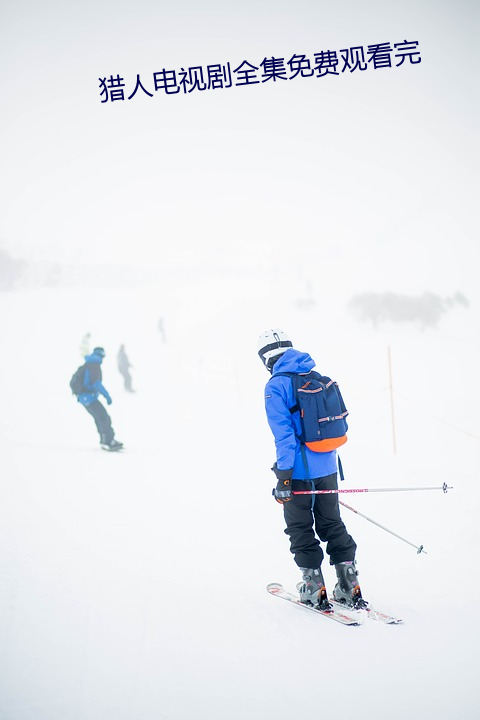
x: 112, y: 446
x: 347, y: 590
x: 312, y: 589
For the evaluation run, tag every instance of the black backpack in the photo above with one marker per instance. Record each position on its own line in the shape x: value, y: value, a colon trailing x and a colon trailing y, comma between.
x: 78, y: 378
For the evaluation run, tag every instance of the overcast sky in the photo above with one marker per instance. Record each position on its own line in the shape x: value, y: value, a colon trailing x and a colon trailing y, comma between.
x: 376, y: 169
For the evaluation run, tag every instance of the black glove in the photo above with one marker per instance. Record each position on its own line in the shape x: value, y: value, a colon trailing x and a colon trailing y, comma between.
x: 282, y: 474
x: 283, y: 492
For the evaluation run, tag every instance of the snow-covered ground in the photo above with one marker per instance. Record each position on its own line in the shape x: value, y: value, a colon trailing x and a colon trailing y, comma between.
x: 132, y: 585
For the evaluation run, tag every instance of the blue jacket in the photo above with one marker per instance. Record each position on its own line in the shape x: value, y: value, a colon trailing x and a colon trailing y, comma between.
x: 285, y: 426
x: 93, y: 381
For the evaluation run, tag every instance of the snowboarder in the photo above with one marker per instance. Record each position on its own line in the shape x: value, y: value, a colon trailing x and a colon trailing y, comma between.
x: 123, y: 364
x: 88, y: 397
x: 308, y: 518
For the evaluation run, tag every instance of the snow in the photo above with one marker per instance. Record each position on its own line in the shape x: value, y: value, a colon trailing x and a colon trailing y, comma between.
x: 133, y: 584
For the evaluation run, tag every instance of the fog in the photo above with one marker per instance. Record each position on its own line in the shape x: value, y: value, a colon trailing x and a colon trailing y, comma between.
x: 341, y: 208
x: 374, y: 170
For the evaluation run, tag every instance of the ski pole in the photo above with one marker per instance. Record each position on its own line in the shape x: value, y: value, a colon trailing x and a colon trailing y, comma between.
x: 419, y: 548
x: 443, y: 487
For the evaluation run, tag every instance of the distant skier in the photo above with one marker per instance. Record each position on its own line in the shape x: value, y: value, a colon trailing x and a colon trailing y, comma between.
x: 85, y: 345
x: 87, y: 385
x: 300, y: 468
x: 124, y: 366
x: 161, y: 329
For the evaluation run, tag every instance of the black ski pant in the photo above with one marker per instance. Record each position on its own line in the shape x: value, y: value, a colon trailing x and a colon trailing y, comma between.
x: 310, y: 517
x: 102, y: 421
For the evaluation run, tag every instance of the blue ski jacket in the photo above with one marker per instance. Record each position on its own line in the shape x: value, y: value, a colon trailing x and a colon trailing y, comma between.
x: 93, y: 381
x: 285, y: 426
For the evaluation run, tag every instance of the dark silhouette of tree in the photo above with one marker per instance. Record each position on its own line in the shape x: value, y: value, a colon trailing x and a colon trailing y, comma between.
x: 426, y: 309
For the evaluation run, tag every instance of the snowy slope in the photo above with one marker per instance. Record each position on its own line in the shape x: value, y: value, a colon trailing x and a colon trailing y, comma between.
x: 116, y: 569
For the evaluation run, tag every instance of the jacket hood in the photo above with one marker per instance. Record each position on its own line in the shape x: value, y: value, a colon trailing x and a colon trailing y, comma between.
x: 93, y: 358
x: 293, y: 361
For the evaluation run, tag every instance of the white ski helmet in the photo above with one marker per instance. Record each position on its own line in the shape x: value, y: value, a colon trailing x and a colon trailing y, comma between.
x: 271, y: 344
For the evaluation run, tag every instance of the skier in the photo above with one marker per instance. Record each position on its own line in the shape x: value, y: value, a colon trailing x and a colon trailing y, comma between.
x: 161, y: 329
x: 85, y: 345
x: 123, y: 364
x: 308, y: 518
x: 88, y: 397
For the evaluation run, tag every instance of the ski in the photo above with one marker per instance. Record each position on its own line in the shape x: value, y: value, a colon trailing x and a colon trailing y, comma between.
x: 371, y: 613
x: 336, y: 613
